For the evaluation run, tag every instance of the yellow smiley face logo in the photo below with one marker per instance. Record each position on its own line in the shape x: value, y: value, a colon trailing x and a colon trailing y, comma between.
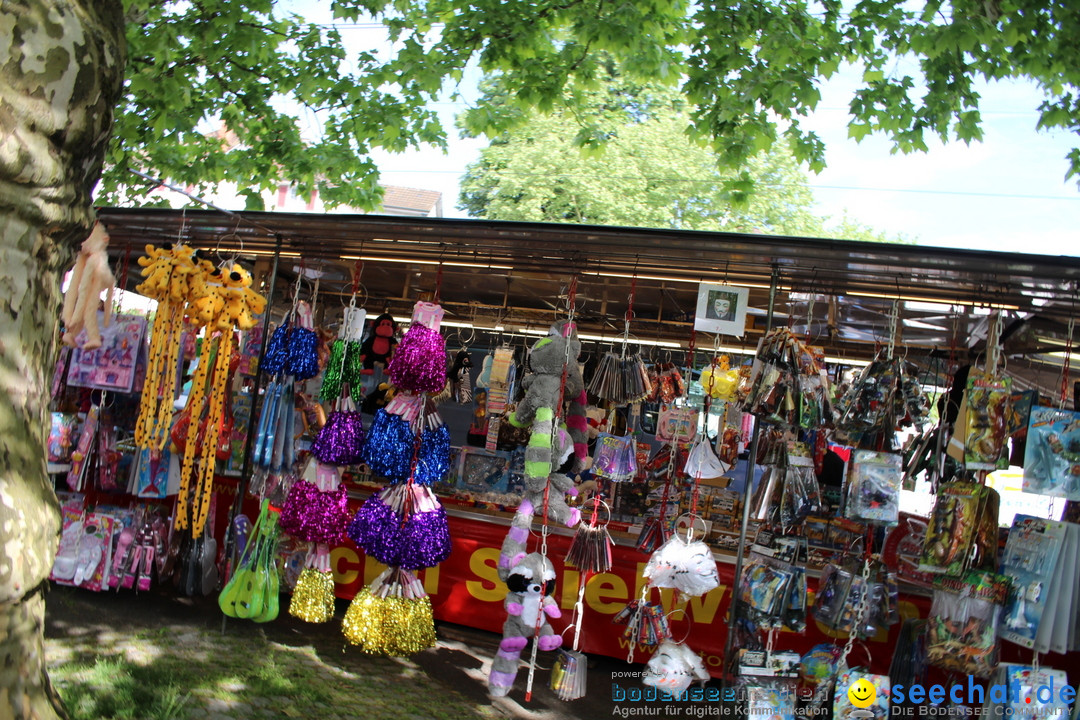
x: 862, y: 693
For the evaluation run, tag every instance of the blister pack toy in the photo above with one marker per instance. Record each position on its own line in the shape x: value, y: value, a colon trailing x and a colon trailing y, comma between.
x: 985, y: 412
x: 873, y: 486
x: 962, y: 531
x: 962, y: 626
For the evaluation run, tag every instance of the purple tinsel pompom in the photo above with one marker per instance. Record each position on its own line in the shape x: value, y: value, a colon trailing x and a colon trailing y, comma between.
x: 276, y: 355
x: 376, y: 529
x: 434, y: 460
x: 425, y: 540
x: 389, y: 448
x: 312, y: 515
x: 419, y: 361
x: 302, y: 347
x: 341, y: 440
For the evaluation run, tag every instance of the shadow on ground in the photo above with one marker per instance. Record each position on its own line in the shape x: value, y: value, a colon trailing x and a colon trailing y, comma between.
x: 82, y: 626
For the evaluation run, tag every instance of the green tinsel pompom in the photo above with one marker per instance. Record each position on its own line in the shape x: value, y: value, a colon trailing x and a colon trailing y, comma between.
x: 331, y: 384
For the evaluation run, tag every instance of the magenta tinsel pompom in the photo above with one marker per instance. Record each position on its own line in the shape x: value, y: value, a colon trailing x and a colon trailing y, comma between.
x: 312, y: 515
x: 341, y: 440
x: 419, y: 361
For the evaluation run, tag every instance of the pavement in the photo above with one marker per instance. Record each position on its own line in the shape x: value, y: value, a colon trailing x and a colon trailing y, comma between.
x: 80, y: 621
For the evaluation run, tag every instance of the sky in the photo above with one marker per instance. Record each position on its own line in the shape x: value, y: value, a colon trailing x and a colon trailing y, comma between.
x: 1007, y: 193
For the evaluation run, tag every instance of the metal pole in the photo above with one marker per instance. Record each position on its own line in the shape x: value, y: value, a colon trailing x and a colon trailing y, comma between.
x: 751, y: 465
x: 245, y: 472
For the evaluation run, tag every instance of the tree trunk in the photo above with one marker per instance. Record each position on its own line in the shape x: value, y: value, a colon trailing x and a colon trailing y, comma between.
x: 61, y: 68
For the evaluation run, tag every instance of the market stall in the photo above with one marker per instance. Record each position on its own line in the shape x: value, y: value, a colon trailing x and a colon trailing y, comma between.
x: 479, y: 406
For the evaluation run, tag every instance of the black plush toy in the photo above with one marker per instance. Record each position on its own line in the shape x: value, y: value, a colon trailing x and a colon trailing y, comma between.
x: 379, y: 345
x: 461, y: 377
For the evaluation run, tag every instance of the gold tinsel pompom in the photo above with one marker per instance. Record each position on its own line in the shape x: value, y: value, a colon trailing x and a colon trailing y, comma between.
x: 389, y: 625
x: 313, y: 598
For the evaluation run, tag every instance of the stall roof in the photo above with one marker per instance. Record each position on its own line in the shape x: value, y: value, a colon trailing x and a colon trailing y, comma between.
x: 517, y: 275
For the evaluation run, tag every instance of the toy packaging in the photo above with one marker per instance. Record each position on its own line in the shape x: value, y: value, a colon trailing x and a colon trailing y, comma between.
x: 986, y: 409
x: 962, y: 530
x: 1052, y: 457
x: 62, y: 436
x: 568, y: 674
x: 873, y: 486
x: 963, y: 624
x: 842, y: 706
x: 615, y: 457
x: 770, y: 700
x: 1040, y: 561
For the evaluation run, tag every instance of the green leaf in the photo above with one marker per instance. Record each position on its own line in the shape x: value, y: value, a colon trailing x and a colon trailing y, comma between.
x: 857, y: 131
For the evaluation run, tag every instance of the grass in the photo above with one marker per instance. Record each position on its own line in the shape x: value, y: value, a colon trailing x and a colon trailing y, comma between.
x: 179, y: 673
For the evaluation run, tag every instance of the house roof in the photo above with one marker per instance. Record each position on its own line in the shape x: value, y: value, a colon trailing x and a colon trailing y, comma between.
x: 411, y: 201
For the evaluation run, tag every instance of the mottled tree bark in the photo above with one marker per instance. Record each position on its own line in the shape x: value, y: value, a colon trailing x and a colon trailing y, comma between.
x: 61, y: 69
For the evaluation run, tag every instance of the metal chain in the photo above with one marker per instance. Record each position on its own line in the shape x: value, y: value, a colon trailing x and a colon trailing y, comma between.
x: 993, y: 343
x: 1065, y: 364
x: 860, y: 612
x: 894, y: 317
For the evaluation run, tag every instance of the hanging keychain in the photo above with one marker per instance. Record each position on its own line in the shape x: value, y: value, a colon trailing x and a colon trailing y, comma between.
x: 590, y: 548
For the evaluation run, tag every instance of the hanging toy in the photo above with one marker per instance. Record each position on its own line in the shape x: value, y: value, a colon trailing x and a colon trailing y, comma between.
x: 554, y: 377
x: 529, y: 604
x: 392, y: 616
x: 719, y: 380
x: 379, y: 345
x: 89, y: 278
x: 674, y: 667
x: 461, y: 377
x: 590, y: 549
x: 174, y: 278
x: 313, y: 597
x: 344, y: 369
x: 388, y: 451
x: 684, y: 564
x: 209, y: 391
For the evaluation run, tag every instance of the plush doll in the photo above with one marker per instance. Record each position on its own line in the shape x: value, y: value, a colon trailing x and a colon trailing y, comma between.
x: 240, y: 303
x: 538, y: 409
x: 208, y: 308
x: 529, y: 604
x: 513, y: 547
x: 89, y: 277
x: 380, y: 342
x: 461, y: 377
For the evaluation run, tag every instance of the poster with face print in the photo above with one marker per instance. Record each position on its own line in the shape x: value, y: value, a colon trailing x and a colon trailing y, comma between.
x: 721, y: 309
